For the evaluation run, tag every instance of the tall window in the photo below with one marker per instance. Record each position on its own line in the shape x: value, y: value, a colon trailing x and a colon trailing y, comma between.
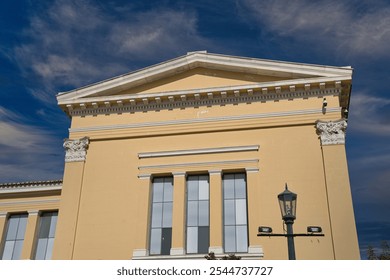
x: 14, y: 237
x: 161, y: 228
x: 198, y: 214
x: 45, y: 239
x: 235, y: 213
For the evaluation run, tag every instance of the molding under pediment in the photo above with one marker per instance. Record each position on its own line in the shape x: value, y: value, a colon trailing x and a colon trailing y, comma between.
x: 198, y: 98
x: 301, y: 80
x: 202, y: 120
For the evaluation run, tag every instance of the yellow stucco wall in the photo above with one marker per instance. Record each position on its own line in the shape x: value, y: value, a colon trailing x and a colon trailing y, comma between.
x: 105, y: 207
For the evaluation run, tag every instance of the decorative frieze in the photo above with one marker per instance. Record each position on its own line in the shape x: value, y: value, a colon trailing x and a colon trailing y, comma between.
x: 331, y: 132
x: 76, y: 150
x: 196, y: 100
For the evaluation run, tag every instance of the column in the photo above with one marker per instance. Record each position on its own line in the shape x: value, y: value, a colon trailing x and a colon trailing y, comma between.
x: 143, y: 217
x: 342, y: 219
x: 178, y: 214
x: 76, y: 151
x: 253, y: 202
x: 29, y: 236
x: 216, y: 215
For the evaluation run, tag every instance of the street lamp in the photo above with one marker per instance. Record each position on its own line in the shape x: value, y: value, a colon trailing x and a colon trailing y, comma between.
x: 288, y: 207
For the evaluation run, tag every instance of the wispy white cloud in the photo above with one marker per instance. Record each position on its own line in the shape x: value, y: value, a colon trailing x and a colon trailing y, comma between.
x: 73, y: 43
x: 26, y: 149
x: 367, y: 115
x: 349, y: 27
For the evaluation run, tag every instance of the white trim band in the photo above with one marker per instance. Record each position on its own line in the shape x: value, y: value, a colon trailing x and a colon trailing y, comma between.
x: 198, y: 151
x: 197, y: 164
x: 29, y: 189
x: 205, y: 120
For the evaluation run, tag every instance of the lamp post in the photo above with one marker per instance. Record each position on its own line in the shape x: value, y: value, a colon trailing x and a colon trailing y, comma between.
x: 288, y: 207
x: 288, y: 203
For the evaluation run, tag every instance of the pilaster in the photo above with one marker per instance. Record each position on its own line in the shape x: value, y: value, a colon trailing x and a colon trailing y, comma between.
x: 252, y: 182
x: 29, y: 236
x: 342, y: 219
x: 216, y: 216
x: 142, y: 234
x: 76, y: 151
x: 178, y: 214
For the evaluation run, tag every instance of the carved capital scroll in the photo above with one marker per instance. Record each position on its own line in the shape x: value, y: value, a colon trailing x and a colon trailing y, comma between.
x: 331, y: 132
x: 76, y: 150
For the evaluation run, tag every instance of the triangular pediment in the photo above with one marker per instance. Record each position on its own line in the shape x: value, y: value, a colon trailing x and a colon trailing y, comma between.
x: 203, y: 73
x: 199, y: 78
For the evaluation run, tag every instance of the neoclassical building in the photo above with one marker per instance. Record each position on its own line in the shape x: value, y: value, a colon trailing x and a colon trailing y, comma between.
x: 187, y: 157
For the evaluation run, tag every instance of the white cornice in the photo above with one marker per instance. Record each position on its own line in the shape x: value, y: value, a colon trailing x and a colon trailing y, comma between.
x: 201, y: 59
x: 31, y: 189
x: 163, y: 101
x: 198, y: 151
x: 204, y: 120
x: 35, y: 186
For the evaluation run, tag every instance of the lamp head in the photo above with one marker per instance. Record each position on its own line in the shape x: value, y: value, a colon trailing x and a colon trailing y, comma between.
x: 287, y: 203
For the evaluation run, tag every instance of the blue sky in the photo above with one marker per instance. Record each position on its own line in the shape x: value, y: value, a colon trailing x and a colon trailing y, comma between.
x: 51, y: 46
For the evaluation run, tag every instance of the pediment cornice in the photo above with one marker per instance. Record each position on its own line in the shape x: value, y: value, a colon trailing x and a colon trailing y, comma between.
x: 302, y: 80
x: 206, y: 97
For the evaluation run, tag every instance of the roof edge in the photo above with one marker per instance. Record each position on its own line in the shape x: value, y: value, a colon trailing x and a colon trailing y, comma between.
x: 192, y: 59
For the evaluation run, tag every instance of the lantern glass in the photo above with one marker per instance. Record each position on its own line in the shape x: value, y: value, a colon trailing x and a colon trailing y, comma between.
x: 288, y: 203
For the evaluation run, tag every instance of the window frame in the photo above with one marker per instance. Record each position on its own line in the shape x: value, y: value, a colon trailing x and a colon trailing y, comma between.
x: 48, y: 238
x: 234, y: 225
x: 6, y: 232
x: 204, y: 228
x: 165, y: 231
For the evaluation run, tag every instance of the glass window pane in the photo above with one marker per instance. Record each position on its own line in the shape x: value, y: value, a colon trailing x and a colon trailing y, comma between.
x: 49, y: 249
x: 22, y: 227
x: 241, y: 212
x: 192, y: 188
x: 192, y: 213
x: 203, y: 240
x: 53, y: 224
x: 157, y: 215
x: 203, y: 187
x: 44, y: 226
x: 192, y: 240
x: 155, y: 241
x: 229, y: 215
x: 158, y: 186
x: 242, y: 238
x: 17, y: 250
x: 166, y: 241
x: 203, y: 213
x: 230, y: 239
x: 41, y: 249
x: 228, y: 186
x: 240, y: 186
x: 168, y: 190
x: 13, y: 223
x: 8, y: 250
x: 167, y: 214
